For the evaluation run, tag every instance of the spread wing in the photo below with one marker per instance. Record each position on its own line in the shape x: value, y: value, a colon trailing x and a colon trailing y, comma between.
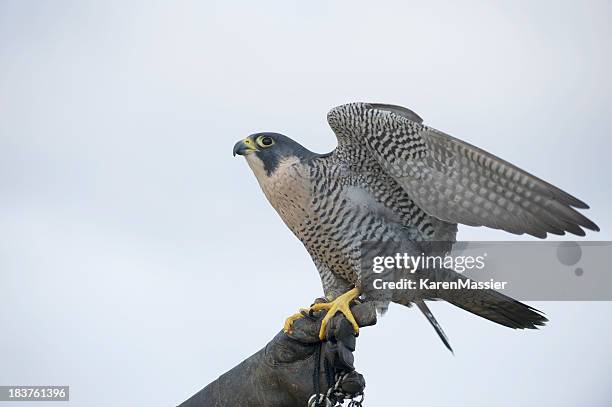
x: 453, y: 180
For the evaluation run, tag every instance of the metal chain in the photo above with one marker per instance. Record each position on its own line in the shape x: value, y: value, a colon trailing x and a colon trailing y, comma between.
x: 335, y: 396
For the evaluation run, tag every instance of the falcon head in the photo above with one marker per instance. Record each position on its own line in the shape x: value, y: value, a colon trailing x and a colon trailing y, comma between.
x: 264, y: 152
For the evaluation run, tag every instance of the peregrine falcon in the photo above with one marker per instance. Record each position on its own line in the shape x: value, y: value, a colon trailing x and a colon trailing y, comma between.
x: 393, y: 178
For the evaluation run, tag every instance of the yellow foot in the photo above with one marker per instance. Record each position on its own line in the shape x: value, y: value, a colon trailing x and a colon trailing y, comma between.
x: 340, y: 304
x: 290, y: 320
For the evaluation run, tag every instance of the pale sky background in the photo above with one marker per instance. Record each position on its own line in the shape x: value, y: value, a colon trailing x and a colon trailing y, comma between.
x: 139, y: 260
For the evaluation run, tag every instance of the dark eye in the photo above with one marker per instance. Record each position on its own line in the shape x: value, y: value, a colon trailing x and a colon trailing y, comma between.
x: 265, y: 141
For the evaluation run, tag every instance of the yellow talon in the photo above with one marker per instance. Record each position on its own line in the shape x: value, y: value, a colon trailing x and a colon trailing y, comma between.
x: 340, y: 304
x: 290, y: 320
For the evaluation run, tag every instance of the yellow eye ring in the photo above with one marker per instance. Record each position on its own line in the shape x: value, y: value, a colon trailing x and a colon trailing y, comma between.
x: 264, y: 141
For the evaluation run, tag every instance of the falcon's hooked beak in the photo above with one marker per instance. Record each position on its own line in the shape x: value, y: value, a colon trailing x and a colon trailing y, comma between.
x: 244, y: 147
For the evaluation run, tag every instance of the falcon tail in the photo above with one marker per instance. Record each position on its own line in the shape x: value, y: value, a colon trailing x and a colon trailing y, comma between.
x: 488, y: 304
x: 500, y: 309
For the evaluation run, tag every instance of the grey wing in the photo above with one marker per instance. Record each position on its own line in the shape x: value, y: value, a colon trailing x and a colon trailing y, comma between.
x: 453, y: 180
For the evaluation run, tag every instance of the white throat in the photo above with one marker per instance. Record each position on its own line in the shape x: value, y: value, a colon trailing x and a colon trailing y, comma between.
x: 287, y: 188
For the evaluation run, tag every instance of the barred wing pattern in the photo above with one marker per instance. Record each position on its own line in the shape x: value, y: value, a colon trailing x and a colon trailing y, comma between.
x: 453, y: 180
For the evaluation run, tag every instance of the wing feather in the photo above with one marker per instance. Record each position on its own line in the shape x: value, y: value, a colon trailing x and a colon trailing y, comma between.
x: 454, y: 180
